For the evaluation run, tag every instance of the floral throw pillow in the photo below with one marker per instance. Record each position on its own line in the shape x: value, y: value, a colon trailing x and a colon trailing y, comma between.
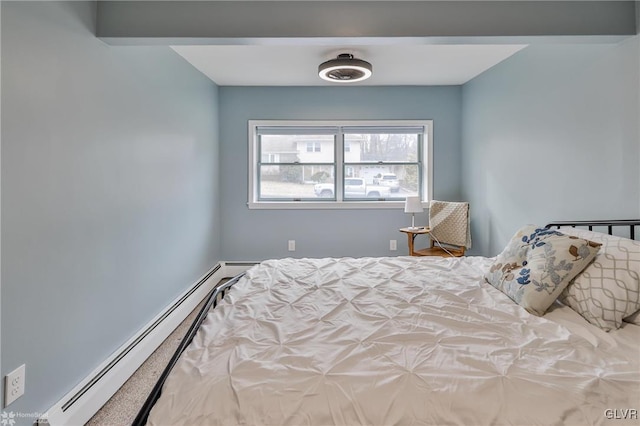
x: 538, y: 264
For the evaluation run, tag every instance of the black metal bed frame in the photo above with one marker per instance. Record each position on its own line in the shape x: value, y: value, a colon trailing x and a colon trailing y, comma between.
x: 610, y: 224
x: 219, y: 292
x: 216, y: 295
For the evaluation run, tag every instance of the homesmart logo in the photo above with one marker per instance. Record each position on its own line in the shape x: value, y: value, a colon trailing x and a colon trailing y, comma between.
x: 9, y: 418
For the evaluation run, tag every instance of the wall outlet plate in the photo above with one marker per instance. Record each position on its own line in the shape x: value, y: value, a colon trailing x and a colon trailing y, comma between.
x: 14, y: 385
x: 292, y: 245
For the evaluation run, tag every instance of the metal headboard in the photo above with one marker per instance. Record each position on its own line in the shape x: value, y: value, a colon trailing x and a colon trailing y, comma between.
x: 609, y: 224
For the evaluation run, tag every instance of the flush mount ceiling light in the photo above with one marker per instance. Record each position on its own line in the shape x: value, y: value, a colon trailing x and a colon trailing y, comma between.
x: 345, y: 69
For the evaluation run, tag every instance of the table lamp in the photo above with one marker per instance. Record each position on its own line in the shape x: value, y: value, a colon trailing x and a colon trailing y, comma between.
x: 413, y: 205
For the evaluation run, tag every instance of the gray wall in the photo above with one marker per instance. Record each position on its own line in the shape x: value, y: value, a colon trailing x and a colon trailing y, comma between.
x: 109, y: 192
x: 552, y: 134
x: 259, y: 234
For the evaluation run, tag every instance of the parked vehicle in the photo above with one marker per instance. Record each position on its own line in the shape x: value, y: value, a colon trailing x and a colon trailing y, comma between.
x: 389, y: 180
x: 353, y: 188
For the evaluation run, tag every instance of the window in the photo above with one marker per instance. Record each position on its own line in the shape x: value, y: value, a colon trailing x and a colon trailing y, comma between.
x: 312, y: 164
x: 313, y: 146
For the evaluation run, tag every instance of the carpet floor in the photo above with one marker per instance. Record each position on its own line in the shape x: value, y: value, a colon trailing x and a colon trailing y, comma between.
x: 124, y: 405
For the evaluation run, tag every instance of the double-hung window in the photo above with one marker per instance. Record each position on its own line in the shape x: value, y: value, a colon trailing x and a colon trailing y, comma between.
x: 338, y: 164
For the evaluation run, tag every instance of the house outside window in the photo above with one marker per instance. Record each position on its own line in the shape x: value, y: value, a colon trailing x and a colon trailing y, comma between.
x: 339, y: 164
x: 314, y: 146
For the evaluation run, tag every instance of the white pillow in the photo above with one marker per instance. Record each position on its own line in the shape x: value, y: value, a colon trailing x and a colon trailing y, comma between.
x: 608, y: 290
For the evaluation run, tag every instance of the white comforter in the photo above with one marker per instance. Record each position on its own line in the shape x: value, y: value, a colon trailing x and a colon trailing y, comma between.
x: 390, y: 341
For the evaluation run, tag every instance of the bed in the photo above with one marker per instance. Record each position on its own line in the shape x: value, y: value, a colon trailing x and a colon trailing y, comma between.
x: 409, y: 340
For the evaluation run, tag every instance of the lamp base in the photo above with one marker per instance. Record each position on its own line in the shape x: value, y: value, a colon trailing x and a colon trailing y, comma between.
x: 413, y: 226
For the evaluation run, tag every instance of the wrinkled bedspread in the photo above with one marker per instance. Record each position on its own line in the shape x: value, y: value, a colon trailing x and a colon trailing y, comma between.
x: 393, y: 341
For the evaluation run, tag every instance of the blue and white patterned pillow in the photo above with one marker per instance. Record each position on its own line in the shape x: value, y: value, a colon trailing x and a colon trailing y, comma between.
x: 538, y: 264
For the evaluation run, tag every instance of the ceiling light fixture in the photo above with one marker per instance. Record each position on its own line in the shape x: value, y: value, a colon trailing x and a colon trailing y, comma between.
x: 345, y: 69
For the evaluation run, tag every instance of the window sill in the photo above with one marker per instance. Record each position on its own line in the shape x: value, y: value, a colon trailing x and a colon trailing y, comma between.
x: 327, y: 205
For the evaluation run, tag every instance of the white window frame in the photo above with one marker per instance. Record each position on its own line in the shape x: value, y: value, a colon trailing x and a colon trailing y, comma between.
x: 426, y: 160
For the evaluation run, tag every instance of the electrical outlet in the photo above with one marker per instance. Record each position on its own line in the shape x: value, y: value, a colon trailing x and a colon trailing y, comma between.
x: 393, y: 245
x: 14, y: 385
x: 292, y: 245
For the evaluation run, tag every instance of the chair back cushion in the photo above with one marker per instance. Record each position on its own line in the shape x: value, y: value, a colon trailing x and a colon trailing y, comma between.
x: 449, y: 223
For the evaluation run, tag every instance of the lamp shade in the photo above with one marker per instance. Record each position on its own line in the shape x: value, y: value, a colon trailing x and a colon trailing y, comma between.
x: 413, y: 204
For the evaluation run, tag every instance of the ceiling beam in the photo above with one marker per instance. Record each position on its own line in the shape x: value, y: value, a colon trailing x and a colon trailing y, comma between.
x: 234, y: 22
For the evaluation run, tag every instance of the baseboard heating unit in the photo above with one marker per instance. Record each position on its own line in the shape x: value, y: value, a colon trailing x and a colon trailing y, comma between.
x: 83, y: 401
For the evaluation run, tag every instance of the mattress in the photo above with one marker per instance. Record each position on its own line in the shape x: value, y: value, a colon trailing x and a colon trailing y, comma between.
x: 403, y: 340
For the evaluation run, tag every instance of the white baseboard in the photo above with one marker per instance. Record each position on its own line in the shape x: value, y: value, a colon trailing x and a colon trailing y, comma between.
x: 234, y: 268
x: 82, y: 402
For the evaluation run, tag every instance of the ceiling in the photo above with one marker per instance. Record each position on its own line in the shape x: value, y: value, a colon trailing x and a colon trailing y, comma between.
x: 297, y: 65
